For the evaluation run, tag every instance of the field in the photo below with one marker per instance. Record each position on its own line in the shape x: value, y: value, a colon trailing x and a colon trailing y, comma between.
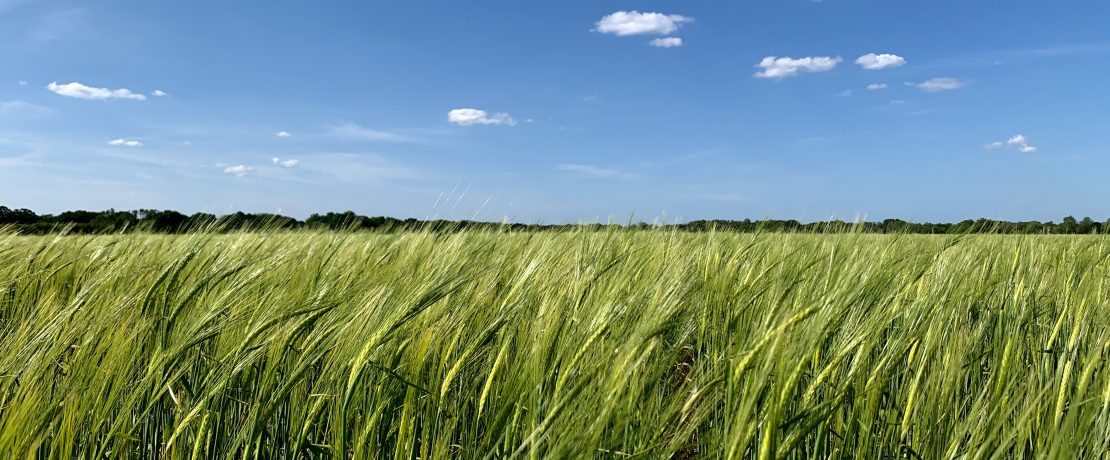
x: 581, y: 344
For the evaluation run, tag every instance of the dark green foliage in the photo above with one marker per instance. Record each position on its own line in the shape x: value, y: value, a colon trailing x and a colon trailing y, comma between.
x: 149, y: 220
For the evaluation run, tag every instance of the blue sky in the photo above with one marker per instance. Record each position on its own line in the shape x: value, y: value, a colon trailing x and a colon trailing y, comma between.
x: 559, y: 111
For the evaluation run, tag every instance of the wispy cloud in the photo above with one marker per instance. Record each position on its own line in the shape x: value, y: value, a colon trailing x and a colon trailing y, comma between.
x: 596, y: 171
x: 666, y: 42
x: 940, y: 84
x: 1075, y: 49
x: 9, y: 4
x: 997, y: 57
x: 471, y: 117
x: 876, y: 86
x: 238, y: 170
x: 623, y: 23
x: 285, y: 163
x: 352, y: 131
x: 125, y: 142
x: 872, y: 61
x: 159, y: 93
x: 59, y: 24
x: 778, y: 68
x: 82, y: 91
x: 362, y: 168
x: 283, y: 134
x: 24, y: 109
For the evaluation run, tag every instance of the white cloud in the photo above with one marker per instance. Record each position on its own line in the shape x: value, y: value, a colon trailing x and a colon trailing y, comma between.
x: 470, y: 117
x: 1022, y: 143
x: 666, y: 42
x: 125, y: 143
x: 22, y: 82
x: 845, y: 93
x: 81, y: 91
x: 940, y: 84
x: 624, y: 23
x: 596, y: 171
x: 239, y: 170
x: 876, y: 86
x: 159, y: 93
x: 286, y: 163
x: 283, y: 134
x: 1018, y: 141
x: 352, y: 131
x: 776, y: 67
x: 872, y: 61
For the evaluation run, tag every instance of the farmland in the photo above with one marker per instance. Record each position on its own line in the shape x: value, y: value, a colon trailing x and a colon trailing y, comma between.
x: 600, y: 344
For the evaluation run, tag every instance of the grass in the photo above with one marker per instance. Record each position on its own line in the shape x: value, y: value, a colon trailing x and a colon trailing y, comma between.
x: 610, y: 344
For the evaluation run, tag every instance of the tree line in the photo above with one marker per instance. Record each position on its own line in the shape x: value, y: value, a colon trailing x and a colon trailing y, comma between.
x: 26, y: 221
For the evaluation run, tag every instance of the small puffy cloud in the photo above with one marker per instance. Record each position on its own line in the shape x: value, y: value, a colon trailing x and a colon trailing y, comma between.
x: 940, y: 84
x: 159, y: 93
x: 596, y: 171
x: 286, y: 163
x: 125, y: 142
x: 1022, y: 144
x: 666, y: 42
x: 238, y: 170
x: 624, y: 23
x: 81, y: 91
x: 876, y: 86
x: 776, y: 67
x: 22, y: 82
x: 1017, y: 141
x: 283, y: 134
x: 471, y: 117
x: 872, y: 61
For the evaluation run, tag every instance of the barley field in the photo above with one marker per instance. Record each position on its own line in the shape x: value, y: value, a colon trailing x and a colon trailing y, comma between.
x: 580, y: 344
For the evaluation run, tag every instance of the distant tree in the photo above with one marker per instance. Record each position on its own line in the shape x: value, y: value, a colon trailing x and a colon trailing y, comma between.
x: 162, y: 221
x: 17, y: 216
x: 1068, y: 225
x: 894, y: 225
x: 168, y: 221
x: 1085, y: 226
